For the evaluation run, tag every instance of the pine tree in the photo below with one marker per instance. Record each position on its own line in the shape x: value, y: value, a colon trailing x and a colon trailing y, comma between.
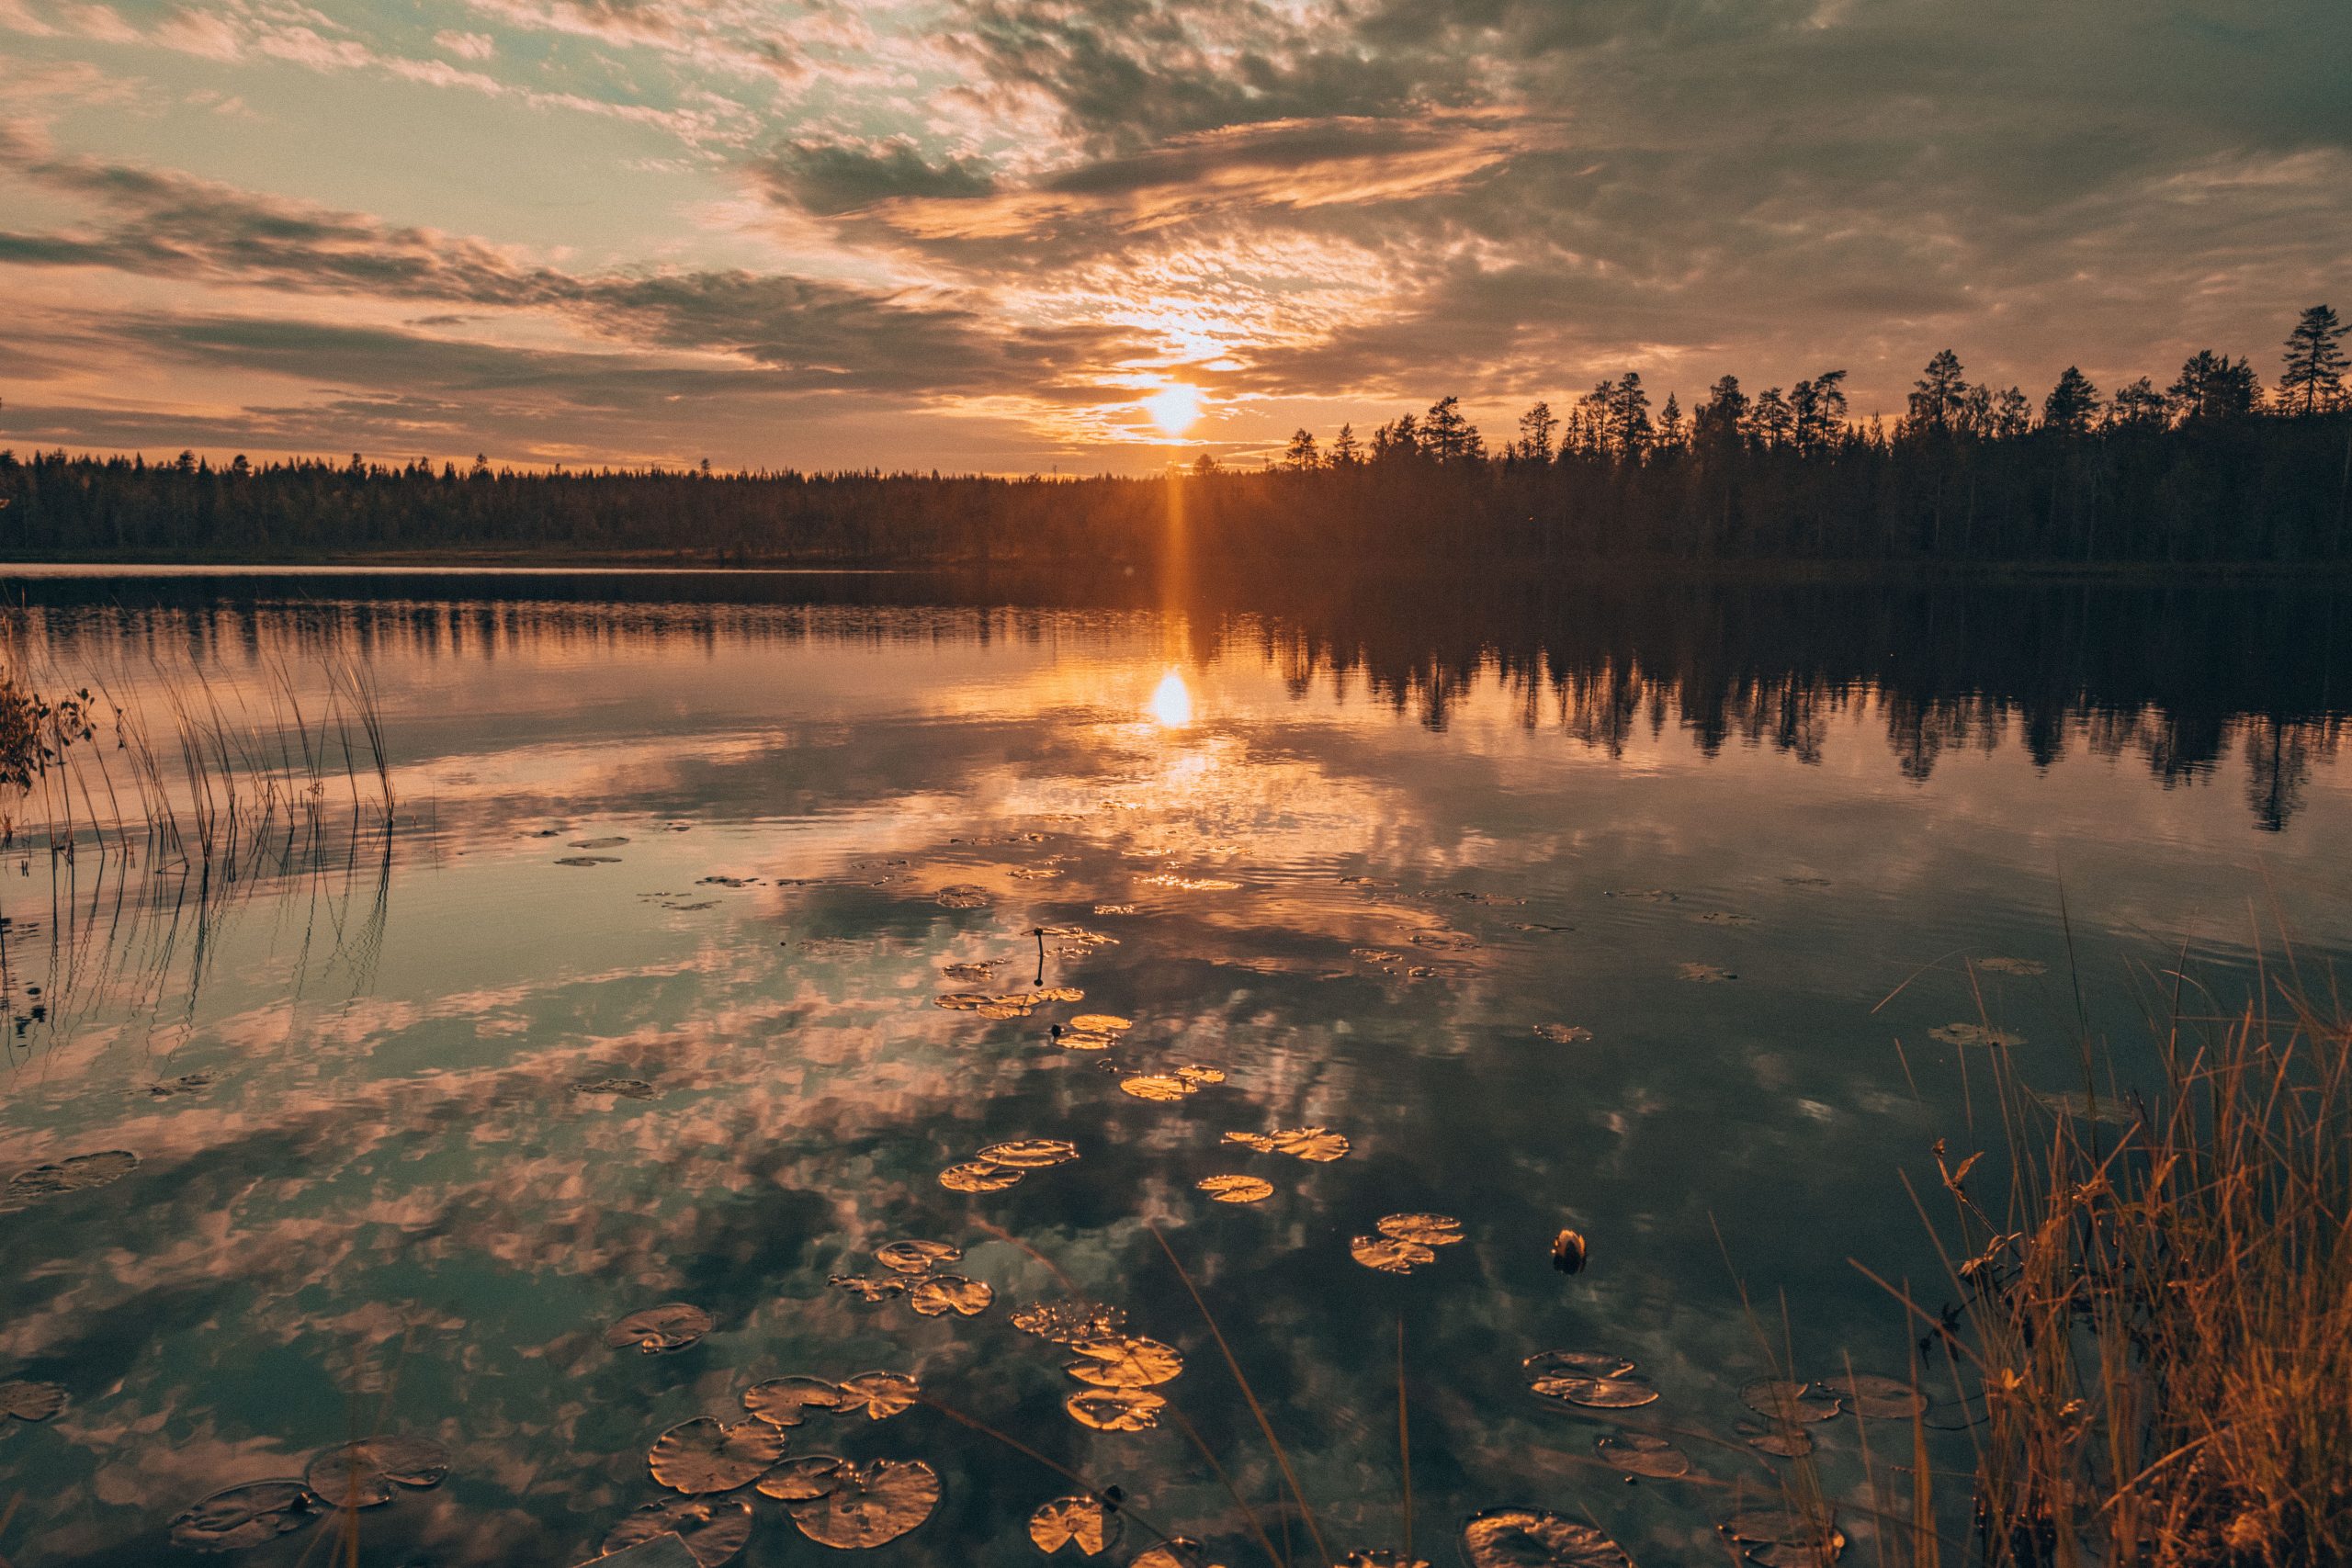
x: 2072, y: 406
x: 2315, y: 363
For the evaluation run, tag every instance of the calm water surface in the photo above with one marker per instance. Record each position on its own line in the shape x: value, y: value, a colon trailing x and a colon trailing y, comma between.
x: 1352, y: 855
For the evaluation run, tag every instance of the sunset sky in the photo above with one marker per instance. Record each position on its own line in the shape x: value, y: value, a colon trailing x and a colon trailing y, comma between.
x: 1005, y: 234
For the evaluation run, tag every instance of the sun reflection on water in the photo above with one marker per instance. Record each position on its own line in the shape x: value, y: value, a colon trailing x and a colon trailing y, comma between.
x: 1171, y: 702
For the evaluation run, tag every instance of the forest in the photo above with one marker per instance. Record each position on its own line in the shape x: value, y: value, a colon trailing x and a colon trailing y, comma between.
x: 2214, y: 467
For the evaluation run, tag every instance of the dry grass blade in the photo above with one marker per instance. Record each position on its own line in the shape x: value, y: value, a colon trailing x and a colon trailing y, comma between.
x: 1290, y: 1478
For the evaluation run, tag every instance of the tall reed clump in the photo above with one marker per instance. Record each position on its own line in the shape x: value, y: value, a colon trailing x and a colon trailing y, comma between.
x: 2161, y: 1322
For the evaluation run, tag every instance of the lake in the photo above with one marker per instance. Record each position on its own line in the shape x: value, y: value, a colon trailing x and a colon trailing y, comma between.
x: 720, y: 915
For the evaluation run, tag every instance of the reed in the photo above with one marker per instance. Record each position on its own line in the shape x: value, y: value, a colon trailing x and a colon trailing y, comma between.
x: 2159, y: 1314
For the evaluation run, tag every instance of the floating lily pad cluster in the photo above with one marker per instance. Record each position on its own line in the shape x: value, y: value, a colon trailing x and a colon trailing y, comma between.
x: 1006, y: 1004
x: 367, y: 1474
x: 1083, y: 1526
x: 998, y: 1166
x: 830, y: 1500
x: 1405, y: 1242
x: 1092, y: 1031
x: 914, y: 1274
x: 1172, y: 1085
x: 1597, y: 1380
x: 673, y: 1326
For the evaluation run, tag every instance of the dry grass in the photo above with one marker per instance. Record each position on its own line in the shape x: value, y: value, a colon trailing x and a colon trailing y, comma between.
x: 2160, y: 1319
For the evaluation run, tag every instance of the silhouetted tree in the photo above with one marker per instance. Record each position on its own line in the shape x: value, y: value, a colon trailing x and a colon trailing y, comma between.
x: 2138, y: 405
x: 1938, y: 398
x: 1669, y: 423
x: 1817, y: 411
x: 2012, y: 415
x: 1447, y: 436
x: 2071, y: 407
x: 1346, y: 450
x: 1536, y: 428
x: 2213, y: 389
x: 1722, y: 418
x: 2315, y: 363
x: 1302, y: 456
x: 1771, y: 419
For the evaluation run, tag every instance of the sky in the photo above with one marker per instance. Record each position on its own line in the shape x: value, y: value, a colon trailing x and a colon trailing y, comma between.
x: 1094, y: 235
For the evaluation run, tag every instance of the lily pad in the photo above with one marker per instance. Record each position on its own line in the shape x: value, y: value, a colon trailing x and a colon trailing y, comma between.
x: 1125, y: 1361
x: 708, y: 1455
x: 798, y: 1479
x: 2081, y: 1107
x: 975, y: 973
x: 589, y: 860
x: 1429, y: 1230
x: 31, y: 1401
x: 785, y: 1402
x: 1564, y: 1034
x: 963, y: 895
x: 1030, y: 1153
x: 673, y: 1326
x: 1237, y: 1189
x: 1155, y: 1086
x: 1973, y: 1034
x: 1797, y: 1403
x: 1877, y: 1398
x: 1318, y: 1144
x: 1372, y: 1558
x: 1775, y: 1437
x: 367, y: 1474
x: 598, y: 843
x: 1574, y: 1363
x: 625, y: 1088
x: 187, y: 1083
x: 1782, y: 1538
x: 1390, y: 1255
x: 1530, y: 1538
x: 77, y: 1174
x: 1116, y: 1409
x: 1176, y: 1551
x: 1079, y: 1522
x: 1100, y: 1023
x: 244, y: 1516
x: 713, y: 1529
x: 1640, y: 1453
x: 944, y: 1294
x: 1201, y: 1078
x: 916, y: 1256
x: 866, y: 1288
x: 872, y: 1505
x: 1593, y: 1379
x: 879, y: 1394
x: 1064, y: 1322
x: 979, y: 1176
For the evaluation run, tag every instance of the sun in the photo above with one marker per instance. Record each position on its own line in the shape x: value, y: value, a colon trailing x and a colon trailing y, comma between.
x: 1171, y: 702
x: 1174, y: 409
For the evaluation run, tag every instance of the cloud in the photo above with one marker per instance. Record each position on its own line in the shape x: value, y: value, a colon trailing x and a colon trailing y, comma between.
x: 831, y: 178
x: 465, y: 45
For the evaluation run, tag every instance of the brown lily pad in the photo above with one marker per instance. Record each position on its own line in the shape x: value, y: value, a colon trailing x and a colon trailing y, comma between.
x: 712, y: 1529
x: 1030, y: 1154
x: 1877, y: 1398
x: 866, y: 1288
x: 1125, y: 1361
x: 785, y: 1402
x: 979, y: 1176
x: 1593, y: 1379
x: 1083, y: 1524
x: 878, y: 1395
x: 673, y: 1326
x: 240, y: 1516
x: 944, y: 1294
x: 916, y: 1256
x: 369, y: 1472
x: 1116, y: 1409
x: 1531, y: 1537
x: 1390, y: 1255
x: 871, y: 1505
x: 1640, y: 1453
x: 1790, y: 1402
x: 803, y: 1476
x: 1065, y: 1321
x: 1429, y: 1230
x: 31, y: 1401
x: 1236, y: 1189
x: 706, y: 1455
x: 1782, y: 1538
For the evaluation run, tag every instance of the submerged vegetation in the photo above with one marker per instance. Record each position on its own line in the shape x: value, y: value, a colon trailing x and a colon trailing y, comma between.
x: 2211, y: 468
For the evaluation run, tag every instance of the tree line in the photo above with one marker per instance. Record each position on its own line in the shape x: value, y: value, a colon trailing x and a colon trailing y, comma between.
x: 2214, y: 466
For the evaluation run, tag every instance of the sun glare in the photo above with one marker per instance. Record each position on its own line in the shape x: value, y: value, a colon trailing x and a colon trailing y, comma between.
x: 1174, y: 409
x: 1171, y: 702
